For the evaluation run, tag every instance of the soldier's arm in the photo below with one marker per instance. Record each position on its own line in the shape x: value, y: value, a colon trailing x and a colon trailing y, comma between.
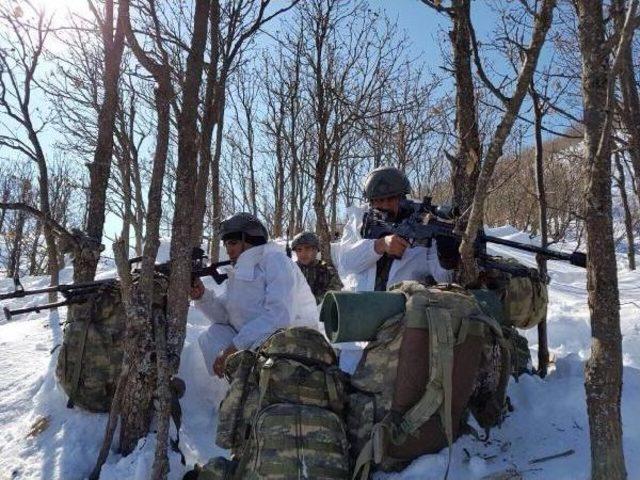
x: 357, y: 254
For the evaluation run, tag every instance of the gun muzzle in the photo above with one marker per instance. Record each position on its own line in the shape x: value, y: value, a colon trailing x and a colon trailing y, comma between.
x: 357, y: 316
x: 578, y: 259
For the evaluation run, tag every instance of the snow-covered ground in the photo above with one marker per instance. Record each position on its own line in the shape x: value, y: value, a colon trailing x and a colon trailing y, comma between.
x: 549, y: 415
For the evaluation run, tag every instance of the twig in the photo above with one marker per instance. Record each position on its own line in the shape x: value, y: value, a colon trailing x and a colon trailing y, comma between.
x: 552, y: 457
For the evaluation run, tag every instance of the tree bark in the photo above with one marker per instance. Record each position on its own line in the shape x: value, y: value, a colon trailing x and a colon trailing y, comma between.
x: 13, y: 268
x: 3, y: 212
x: 543, y: 348
x: 211, y: 117
x: 466, y: 162
x: 603, y: 371
x: 33, y: 255
x: 100, y: 169
x: 182, y: 240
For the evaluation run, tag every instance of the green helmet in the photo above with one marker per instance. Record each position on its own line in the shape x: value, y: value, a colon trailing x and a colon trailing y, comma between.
x: 243, y: 222
x: 306, y: 238
x: 386, y: 182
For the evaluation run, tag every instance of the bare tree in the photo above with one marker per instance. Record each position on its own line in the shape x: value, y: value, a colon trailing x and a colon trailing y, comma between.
x: 621, y: 183
x: 112, y: 31
x: 20, y: 57
x: 603, y: 372
x: 139, y: 380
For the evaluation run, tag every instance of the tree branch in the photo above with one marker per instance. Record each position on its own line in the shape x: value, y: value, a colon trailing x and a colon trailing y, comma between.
x: 55, y: 226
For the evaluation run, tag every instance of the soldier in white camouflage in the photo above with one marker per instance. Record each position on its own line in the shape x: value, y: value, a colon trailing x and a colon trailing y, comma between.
x: 320, y: 276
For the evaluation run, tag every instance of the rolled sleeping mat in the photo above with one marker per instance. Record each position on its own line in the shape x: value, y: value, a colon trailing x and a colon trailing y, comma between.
x: 357, y: 316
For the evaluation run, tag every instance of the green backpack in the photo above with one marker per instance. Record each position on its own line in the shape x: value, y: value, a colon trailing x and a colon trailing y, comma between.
x: 90, y: 357
x: 281, y: 416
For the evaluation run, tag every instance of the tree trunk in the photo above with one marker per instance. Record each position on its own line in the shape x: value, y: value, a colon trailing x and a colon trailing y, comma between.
x: 543, y: 348
x: 3, y: 212
x: 99, y: 170
x: 334, y: 192
x: 279, y: 207
x: 215, y: 179
x: 138, y: 217
x: 603, y: 371
x: 210, y: 119
x: 466, y: 163
x: 33, y: 255
x: 628, y: 220
x: 182, y: 240
x: 16, y: 249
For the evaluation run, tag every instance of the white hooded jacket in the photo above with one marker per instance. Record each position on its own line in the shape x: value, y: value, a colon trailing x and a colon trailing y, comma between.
x: 358, y: 259
x: 265, y: 291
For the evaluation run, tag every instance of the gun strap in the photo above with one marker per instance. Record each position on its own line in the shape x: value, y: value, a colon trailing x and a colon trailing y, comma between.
x: 176, y: 416
x: 77, y: 369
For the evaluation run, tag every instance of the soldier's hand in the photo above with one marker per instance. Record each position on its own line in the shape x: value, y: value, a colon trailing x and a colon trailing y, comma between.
x: 197, y: 289
x: 218, y: 364
x: 392, y: 245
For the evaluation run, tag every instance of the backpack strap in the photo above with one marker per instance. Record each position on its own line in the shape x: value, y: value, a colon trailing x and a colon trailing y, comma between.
x: 438, y: 393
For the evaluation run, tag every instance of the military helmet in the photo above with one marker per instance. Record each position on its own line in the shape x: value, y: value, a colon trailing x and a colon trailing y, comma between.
x: 386, y: 182
x: 306, y: 238
x: 243, y: 222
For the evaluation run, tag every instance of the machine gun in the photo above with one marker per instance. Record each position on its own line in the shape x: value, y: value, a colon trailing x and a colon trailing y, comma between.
x: 74, y: 293
x: 426, y: 222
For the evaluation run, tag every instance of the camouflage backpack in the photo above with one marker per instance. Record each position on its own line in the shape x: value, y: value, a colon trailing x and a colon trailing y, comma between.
x: 281, y: 416
x: 416, y: 380
x: 90, y: 357
x: 521, y: 290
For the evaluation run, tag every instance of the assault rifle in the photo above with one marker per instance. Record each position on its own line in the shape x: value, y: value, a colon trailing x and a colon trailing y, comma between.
x: 426, y: 222
x: 198, y: 266
x: 74, y: 293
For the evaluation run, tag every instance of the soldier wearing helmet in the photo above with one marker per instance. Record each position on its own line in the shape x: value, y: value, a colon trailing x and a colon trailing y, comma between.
x: 320, y: 276
x: 375, y: 264
x: 264, y: 292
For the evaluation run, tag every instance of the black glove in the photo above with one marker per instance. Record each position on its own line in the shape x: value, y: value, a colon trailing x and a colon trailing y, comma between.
x: 448, y: 254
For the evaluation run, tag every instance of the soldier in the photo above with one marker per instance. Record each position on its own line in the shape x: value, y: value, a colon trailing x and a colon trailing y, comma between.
x: 264, y: 292
x: 374, y: 264
x: 320, y: 276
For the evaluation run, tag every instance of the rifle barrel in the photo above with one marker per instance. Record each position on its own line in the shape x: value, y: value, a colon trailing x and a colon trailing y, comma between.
x: 575, y: 258
x: 65, y: 288
x: 8, y: 314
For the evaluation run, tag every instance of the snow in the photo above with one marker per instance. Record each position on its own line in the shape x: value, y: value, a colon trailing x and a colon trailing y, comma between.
x: 549, y: 414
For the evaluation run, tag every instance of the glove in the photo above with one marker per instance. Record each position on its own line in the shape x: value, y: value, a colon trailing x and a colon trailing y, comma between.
x: 448, y: 254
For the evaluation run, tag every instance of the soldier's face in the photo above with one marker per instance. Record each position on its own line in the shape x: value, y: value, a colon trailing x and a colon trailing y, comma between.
x: 306, y: 254
x: 390, y: 205
x: 234, y: 248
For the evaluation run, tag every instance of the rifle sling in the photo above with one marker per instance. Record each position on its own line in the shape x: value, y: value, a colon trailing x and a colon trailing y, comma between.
x: 77, y: 370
